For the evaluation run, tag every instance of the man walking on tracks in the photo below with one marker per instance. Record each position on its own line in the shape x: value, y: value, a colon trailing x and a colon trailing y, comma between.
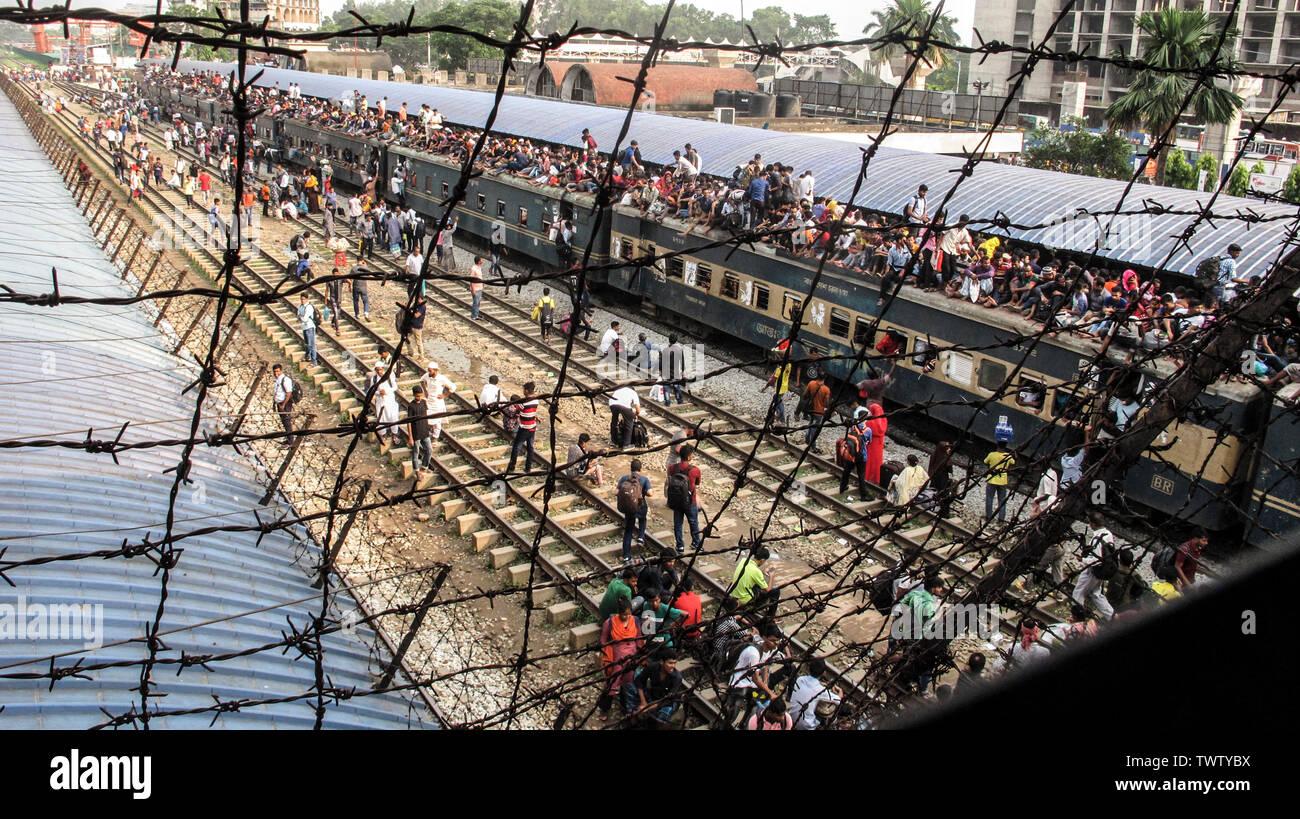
x: 624, y: 407
x: 360, y: 295
x: 818, y: 395
x: 672, y: 363
x: 683, y: 498
x: 544, y: 314
x: 527, y: 429
x: 417, y: 433
x: 307, y: 314
x: 633, y: 493
x: 475, y: 287
x: 334, y: 298
x: 283, y: 398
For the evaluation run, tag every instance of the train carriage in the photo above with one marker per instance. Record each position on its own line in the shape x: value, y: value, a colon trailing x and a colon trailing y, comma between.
x: 1204, y: 469
x: 522, y: 214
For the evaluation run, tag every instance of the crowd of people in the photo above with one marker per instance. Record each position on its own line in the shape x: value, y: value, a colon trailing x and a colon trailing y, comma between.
x: 651, y: 618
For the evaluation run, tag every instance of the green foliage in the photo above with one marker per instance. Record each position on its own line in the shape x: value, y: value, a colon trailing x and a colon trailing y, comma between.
x: 1291, y: 188
x: 687, y: 22
x: 1107, y: 154
x: 1178, y: 171
x: 912, y: 18
x: 449, y: 51
x: 1210, y: 165
x: 1175, y: 42
x: 1239, y: 182
x: 951, y: 77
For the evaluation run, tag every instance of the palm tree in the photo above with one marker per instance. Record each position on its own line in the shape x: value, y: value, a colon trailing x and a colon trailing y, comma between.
x: 1176, y: 42
x: 912, y: 19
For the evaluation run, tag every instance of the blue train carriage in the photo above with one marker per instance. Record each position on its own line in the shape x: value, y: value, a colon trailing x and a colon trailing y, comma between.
x: 348, y: 154
x: 524, y: 214
x: 750, y: 294
x: 1274, y: 504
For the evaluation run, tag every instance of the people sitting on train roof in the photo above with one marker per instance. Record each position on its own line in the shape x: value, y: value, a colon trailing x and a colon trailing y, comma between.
x: 928, y: 252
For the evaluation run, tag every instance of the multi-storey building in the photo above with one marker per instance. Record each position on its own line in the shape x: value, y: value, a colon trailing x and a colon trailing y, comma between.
x: 1269, y: 41
x: 289, y: 15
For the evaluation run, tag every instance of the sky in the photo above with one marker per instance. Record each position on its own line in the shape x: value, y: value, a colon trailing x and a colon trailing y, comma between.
x: 850, y: 16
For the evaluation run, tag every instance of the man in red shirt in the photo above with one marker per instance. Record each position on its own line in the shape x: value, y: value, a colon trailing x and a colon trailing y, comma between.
x: 527, y: 429
x: 1188, y: 559
x: 688, y: 601
x: 690, y: 510
x: 205, y: 185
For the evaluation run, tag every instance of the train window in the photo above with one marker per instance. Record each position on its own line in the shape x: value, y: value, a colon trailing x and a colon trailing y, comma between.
x: 428, y: 184
x: 790, y: 305
x: 566, y: 210
x: 761, y: 297
x: 731, y: 285
x: 523, y: 217
x: 704, y: 277
x: 863, y: 335
x: 839, y: 323
x: 626, y: 248
x: 959, y: 368
x: 924, y: 355
x: 547, y: 221
x: 1032, y: 394
x: 1066, y: 404
x: 674, y: 267
x: 482, y: 203
x: 992, y: 374
x: 446, y: 190
x: 501, y: 207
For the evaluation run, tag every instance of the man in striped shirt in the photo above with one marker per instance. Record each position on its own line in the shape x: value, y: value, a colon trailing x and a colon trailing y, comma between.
x: 527, y: 429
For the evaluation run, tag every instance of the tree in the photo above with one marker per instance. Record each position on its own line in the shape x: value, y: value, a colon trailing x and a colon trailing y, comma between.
x: 1176, y: 42
x: 1208, y: 163
x: 1239, y: 182
x: 911, y: 18
x: 1291, y: 188
x: 952, y: 77
x: 192, y: 51
x: 817, y: 29
x: 1178, y: 171
x: 1079, y: 151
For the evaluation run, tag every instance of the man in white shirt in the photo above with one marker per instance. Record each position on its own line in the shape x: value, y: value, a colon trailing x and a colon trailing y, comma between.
x: 283, y: 399
x: 624, y: 407
x: 611, y: 340
x: 354, y: 212
x: 307, y: 313
x: 809, y: 690
x: 751, y: 679
x: 917, y: 211
x: 807, y: 187
x: 415, y: 263
x: 434, y: 382
x: 491, y: 393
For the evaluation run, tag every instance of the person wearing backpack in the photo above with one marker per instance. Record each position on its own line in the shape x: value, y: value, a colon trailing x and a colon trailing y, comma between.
x: 633, y: 493
x: 285, y: 387
x: 683, y: 497
x: 1088, y: 586
x: 751, y: 680
x: 818, y: 397
x: 544, y: 314
x: 851, y: 455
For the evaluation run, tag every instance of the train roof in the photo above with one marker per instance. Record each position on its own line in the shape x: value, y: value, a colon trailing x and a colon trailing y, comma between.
x: 1061, y: 206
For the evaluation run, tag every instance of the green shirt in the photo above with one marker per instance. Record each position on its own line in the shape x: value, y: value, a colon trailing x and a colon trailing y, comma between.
x: 609, y: 603
x: 923, y: 602
x: 747, y: 578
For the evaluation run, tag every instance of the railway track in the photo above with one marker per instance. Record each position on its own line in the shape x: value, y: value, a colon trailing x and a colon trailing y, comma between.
x: 477, y: 449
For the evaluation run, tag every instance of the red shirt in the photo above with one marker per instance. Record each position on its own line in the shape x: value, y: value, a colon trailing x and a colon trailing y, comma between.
x: 692, y: 477
x: 205, y: 181
x: 528, y: 415
x: 690, y: 603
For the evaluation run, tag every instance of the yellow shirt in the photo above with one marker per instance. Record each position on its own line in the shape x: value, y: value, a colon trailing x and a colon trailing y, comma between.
x: 999, y: 463
x: 748, y: 580
x: 783, y: 380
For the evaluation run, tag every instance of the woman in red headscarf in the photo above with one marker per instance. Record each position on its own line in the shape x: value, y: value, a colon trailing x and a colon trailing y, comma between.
x: 878, y: 424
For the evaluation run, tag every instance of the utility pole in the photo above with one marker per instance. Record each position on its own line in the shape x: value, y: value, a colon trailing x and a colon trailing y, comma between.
x: 980, y: 85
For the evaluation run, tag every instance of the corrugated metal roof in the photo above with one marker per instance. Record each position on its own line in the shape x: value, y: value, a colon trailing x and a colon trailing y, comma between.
x: 68, y: 369
x: 1025, y: 195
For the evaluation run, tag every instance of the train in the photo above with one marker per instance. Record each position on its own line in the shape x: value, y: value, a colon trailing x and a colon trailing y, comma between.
x: 1230, y: 468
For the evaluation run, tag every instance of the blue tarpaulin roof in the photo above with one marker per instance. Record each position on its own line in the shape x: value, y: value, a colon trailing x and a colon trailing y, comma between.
x: 76, y: 367
x: 1058, y: 202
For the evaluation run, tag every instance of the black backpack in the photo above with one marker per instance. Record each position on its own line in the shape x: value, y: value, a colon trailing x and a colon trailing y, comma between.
x: 1207, y: 272
x: 881, y: 591
x: 724, y: 660
x: 296, y: 392
x: 1162, y: 565
x: 678, y: 490
x: 640, y: 435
